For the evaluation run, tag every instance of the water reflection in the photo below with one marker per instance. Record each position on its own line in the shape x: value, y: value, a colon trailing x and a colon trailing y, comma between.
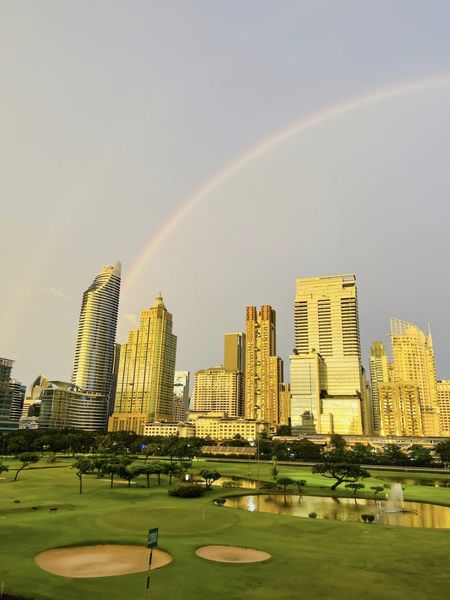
x: 344, y: 509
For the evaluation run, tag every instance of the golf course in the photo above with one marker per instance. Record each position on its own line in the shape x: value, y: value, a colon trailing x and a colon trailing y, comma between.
x: 309, y: 558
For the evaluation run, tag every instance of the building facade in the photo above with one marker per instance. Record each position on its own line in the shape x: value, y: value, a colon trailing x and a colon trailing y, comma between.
x: 413, y: 364
x: 443, y: 398
x: 234, y: 352
x: 217, y: 389
x: 379, y: 373
x: 400, y: 412
x: 94, y: 354
x: 180, y: 407
x: 6, y: 395
x: 263, y: 368
x: 327, y: 324
x: 145, y: 379
x: 64, y: 405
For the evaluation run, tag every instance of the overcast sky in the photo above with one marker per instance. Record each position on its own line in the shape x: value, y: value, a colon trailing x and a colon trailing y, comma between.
x: 112, y: 114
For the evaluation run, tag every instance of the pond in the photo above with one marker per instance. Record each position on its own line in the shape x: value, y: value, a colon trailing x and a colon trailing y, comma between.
x: 344, y: 509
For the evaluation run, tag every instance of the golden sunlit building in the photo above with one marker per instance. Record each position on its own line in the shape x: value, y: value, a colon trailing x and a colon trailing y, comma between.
x: 308, y: 386
x: 145, y: 379
x: 400, y: 412
x: 263, y: 369
x: 217, y: 389
x: 443, y: 397
x: 327, y: 323
x: 234, y: 352
x: 379, y: 373
x: 413, y: 364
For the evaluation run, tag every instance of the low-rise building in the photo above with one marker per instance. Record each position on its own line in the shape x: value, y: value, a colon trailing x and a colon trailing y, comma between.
x: 169, y: 428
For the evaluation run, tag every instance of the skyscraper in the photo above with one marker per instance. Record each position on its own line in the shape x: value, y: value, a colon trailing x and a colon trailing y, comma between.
x: 443, y: 397
x: 379, y: 373
x: 180, y: 407
x: 413, y: 363
x: 94, y: 354
x: 234, y: 352
x: 263, y: 369
x: 145, y: 379
x: 327, y: 323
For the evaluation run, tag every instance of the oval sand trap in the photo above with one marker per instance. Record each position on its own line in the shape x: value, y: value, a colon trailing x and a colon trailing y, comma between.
x: 232, y: 554
x: 100, y: 561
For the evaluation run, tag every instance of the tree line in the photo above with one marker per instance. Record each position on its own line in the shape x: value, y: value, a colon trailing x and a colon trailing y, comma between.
x: 75, y: 442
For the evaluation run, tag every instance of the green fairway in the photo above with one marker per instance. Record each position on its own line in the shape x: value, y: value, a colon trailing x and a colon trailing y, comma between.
x: 310, y: 558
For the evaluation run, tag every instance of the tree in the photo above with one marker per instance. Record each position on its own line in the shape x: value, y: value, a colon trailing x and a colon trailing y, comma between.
x: 171, y: 470
x: 337, y: 441
x: 442, y: 449
x: 83, y: 465
x: 3, y: 468
x: 146, y: 470
x: 285, y: 481
x: 392, y: 454
x: 209, y: 476
x: 26, y: 458
x: 341, y: 472
x: 355, y: 487
x: 157, y: 468
x: 301, y: 484
x: 377, y: 489
x: 127, y: 472
x: 420, y: 456
x: 362, y: 454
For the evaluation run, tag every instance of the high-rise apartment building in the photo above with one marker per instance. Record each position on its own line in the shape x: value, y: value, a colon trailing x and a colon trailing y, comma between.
x: 180, y: 407
x: 413, y: 364
x: 327, y: 323
x: 18, y: 398
x: 92, y: 370
x: 218, y: 390
x: 263, y: 369
x: 400, y: 413
x: 379, y: 373
x: 443, y: 398
x: 145, y: 379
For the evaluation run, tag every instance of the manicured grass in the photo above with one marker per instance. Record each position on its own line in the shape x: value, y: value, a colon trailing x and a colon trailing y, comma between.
x: 310, y: 558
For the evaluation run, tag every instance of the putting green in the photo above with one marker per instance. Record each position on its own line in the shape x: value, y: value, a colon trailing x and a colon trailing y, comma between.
x: 171, y: 521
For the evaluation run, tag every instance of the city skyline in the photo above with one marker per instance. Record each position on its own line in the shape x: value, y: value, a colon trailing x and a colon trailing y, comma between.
x: 206, y: 144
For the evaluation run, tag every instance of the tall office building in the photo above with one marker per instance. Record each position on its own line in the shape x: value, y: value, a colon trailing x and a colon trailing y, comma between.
x: 263, y: 369
x: 308, y: 385
x: 92, y: 370
x: 145, y: 379
x: 379, y: 373
x: 327, y: 323
x: 18, y: 398
x: 234, y: 352
x: 180, y: 407
x: 413, y: 363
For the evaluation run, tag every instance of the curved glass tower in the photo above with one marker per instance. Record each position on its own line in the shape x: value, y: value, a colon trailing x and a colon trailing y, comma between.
x: 92, y: 369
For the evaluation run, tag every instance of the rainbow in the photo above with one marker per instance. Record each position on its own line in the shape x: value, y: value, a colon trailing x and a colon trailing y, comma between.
x: 293, y: 129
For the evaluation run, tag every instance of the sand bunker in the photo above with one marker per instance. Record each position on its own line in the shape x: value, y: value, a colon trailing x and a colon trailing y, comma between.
x: 100, y: 561
x: 232, y: 554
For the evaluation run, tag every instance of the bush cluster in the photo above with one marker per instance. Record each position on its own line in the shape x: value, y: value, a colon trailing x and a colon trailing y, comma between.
x: 187, y: 491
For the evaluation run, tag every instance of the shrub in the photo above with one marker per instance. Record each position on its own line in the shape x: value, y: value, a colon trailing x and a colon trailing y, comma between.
x: 187, y: 491
x: 220, y: 501
x: 367, y: 518
x: 312, y: 515
x: 232, y: 484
